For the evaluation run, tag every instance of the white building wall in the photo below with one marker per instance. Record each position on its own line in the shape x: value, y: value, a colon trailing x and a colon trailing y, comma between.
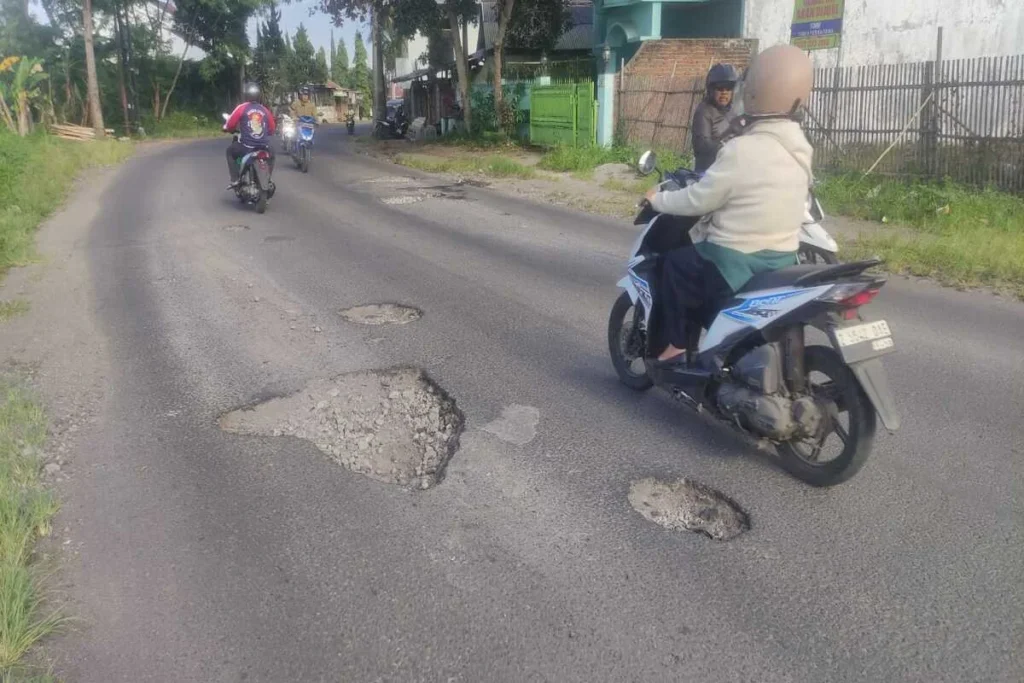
x: 417, y: 47
x: 895, y: 31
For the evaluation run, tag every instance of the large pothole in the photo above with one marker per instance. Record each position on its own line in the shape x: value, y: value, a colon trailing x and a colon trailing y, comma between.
x: 690, y: 506
x: 395, y: 426
x: 382, y: 314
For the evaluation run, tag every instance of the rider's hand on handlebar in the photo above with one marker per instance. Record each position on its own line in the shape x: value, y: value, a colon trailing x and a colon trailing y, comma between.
x: 649, y: 197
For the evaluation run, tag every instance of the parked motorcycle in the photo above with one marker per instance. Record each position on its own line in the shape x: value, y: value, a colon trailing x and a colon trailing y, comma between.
x: 747, y: 362
x: 255, y: 185
x: 394, y: 124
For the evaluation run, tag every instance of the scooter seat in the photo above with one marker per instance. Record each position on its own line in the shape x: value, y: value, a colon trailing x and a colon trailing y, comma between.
x: 806, y: 275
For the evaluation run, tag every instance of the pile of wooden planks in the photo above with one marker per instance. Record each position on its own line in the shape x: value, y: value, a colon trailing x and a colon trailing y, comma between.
x: 69, y: 131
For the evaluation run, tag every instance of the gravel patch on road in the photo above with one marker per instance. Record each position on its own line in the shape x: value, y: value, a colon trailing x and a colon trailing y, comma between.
x: 688, y: 505
x: 395, y: 426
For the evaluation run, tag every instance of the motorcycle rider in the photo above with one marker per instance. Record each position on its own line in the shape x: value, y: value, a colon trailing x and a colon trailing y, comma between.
x: 303, y: 106
x: 713, y: 115
x: 254, y: 124
x: 751, y: 199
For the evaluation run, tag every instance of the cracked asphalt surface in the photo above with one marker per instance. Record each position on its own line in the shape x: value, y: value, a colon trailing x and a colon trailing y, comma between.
x: 197, y: 555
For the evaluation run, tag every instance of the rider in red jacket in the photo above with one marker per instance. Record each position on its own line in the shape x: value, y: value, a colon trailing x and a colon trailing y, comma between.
x: 254, y: 124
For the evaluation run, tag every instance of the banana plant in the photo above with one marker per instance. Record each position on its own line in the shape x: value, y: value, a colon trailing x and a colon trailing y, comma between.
x: 21, y: 79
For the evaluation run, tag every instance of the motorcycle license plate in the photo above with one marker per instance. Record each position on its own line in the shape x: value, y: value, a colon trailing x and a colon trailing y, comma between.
x: 861, y: 342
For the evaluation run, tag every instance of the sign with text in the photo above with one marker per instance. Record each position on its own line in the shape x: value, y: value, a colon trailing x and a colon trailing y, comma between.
x: 817, y: 24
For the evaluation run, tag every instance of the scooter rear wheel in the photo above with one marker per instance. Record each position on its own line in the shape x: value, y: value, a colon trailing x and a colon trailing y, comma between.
x: 627, y: 345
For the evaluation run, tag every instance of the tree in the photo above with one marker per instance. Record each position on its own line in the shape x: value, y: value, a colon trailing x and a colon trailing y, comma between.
x: 321, y: 73
x: 92, y: 80
x: 535, y: 25
x: 303, y: 59
x: 339, y: 63
x: 359, y: 75
x: 270, y: 60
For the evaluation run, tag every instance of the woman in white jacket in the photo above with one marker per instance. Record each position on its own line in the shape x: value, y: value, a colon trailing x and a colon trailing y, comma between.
x: 752, y: 198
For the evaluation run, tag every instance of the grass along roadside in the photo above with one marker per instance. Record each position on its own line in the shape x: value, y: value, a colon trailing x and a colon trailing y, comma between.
x: 36, y: 173
x: 492, y: 165
x: 26, y: 509
x: 956, y: 235
x: 12, y: 308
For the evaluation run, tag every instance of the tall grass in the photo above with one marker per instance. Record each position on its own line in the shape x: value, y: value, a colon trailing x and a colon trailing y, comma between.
x: 954, y: 233
x: 182, y: 124
x: 26, y: 509
x: 35, y: 174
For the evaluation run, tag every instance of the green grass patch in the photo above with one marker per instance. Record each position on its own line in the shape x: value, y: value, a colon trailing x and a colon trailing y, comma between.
x: 10, y: 309
x: 35, y: 174
x: 633, y: 187
x: 26, y: 508
x: 955, y: 234
x: 180, y: 124
x: 581, y: 161
x: 493, y: 165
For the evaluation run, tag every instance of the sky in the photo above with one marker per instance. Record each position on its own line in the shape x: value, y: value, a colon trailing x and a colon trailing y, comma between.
x: 318, y: 26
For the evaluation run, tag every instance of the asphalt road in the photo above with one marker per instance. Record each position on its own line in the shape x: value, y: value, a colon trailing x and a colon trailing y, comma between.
x: 205, y: 556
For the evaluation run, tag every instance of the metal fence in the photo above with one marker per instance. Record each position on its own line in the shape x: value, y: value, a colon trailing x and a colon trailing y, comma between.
x: 563, y: 114
x: 958, y: 119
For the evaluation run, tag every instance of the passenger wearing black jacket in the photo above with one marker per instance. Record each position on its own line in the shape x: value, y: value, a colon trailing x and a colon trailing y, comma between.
x: 713, y: 115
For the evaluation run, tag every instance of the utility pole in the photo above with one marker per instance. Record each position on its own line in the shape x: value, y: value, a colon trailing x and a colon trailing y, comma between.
x: 379, y: 105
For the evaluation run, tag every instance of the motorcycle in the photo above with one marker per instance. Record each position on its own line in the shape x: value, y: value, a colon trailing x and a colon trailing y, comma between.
x: 350, y: 123
x: 394, y: 123
x: 746, y: 360
x: 301, y: 148
x: 816, y: 245
x: 255, y: 185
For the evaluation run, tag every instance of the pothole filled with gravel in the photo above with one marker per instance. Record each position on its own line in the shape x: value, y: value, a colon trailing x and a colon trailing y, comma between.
x: 382, y: 314
x: 690, y: 506
x: 395, y: 426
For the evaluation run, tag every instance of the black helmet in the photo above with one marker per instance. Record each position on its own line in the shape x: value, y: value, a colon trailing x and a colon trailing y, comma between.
x: 722, y: 73
x: 304, y: 90
x: 252, y: 92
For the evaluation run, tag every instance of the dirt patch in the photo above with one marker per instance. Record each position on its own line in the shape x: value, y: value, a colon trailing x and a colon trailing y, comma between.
x: 395, y: 426
x: 689, y: 505
x: 382, y: 314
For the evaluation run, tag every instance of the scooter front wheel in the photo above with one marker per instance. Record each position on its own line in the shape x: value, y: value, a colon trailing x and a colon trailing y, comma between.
x: 627, y: 345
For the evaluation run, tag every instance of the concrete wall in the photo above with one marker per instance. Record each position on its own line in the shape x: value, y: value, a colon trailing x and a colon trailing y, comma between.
x: 895, y: 31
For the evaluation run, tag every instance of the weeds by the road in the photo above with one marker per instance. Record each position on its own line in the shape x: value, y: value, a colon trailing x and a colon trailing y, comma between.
x: 35, y: 174
x: 26, y: 509
x: 497, y: 166
x: 10, y: 309
x: 955, y: 234
x: 583, y: 160
x: 180, y: 124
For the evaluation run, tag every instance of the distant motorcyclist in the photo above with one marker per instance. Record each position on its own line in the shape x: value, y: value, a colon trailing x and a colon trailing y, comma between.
x: 303, y: 106
x: 752, y: 198
x: 254, y: 124
x: 713, y: 115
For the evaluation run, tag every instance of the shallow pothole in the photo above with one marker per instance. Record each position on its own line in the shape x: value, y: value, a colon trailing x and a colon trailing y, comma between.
x: 382, y: 314
x: 689, y: 505
x: 395, y: 426
x: 235, y: 228
x: 403, y: 199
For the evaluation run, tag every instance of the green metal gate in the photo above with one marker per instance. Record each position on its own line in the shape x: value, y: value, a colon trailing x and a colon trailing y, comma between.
x: 563, y: 114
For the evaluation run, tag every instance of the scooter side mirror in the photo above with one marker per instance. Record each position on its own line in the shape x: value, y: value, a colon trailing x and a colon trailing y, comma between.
x: 225, y: 116
x: 646, y: 164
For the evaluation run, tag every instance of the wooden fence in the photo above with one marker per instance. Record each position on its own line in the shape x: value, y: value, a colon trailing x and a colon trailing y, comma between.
x: 958, y: 119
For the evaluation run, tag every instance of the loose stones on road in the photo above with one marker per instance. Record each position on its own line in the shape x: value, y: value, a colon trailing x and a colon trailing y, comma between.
x: 395, y: 426
x: 688, y: 505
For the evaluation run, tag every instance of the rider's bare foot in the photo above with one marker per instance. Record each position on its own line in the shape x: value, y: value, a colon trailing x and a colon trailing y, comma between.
x: 671, y: 352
